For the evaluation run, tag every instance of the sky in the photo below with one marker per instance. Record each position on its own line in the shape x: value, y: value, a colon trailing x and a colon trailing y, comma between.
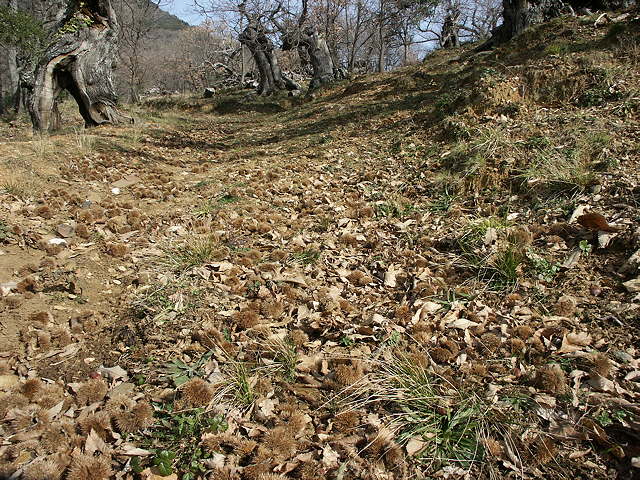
x: 184, y: 10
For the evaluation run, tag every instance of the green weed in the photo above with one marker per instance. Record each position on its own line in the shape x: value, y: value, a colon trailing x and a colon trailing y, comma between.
x: 179, y: 372
x: 174, y: 439
x: 306, y: 257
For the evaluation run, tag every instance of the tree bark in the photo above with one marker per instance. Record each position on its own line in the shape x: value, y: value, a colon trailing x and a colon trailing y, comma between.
x: 79, y: 60
x: 312, y: 48
x: 449, y: 37
x: 262, y: 50
x: 520, y: 14
x: 12, y: 65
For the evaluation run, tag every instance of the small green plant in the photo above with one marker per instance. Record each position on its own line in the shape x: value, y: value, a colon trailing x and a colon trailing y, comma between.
x: 347, y: 341
x: 451, y: 298
x: 163, y: 460
x: 585, y: 247
x: 177, y: 433
x: 179, y: 372
x: 445, y: 103
x: 5, y: 232
x: 306, y: 257
x: 542, y: 268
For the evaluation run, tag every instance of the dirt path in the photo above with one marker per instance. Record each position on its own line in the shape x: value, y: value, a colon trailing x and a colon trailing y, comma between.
x: 256, y: 295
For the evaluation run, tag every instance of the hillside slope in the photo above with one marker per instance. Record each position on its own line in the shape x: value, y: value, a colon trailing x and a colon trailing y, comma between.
x: 402, y: 277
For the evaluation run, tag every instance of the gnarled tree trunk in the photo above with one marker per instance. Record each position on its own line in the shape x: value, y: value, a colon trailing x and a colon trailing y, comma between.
x: 79, y: 60
x: 271, y: 77
x: 320, y: 57
x: 449, y: 38
x: 312, y: 48
x: 521, y: 14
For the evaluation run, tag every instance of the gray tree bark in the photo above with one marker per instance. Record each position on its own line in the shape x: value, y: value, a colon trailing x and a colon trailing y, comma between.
x: 12, y: 64
x: 521, y: 14
x: 312, y: 48
x: 79, y: 60
x: 271, y: 78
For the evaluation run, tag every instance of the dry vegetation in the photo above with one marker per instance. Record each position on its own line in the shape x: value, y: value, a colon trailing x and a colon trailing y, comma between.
x: 386, y: 281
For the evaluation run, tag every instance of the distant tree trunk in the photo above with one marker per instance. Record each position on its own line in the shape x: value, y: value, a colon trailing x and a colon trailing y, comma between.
x: 1, y: 97
x: 79, y: 60
x: 449, y: 36
x: 381, y: 47
x: 312, y: 48
x: 12, y: 66
x: 261, y: 48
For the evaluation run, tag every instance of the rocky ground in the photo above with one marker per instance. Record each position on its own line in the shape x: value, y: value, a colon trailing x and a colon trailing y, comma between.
x: 424, y: 274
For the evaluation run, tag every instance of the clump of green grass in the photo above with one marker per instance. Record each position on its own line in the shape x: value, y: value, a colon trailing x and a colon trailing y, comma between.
x: 213, y: 206
x: 84, y: 141
x: 16, y: 188
x: 237, y: 385
x: 306, y: 257
x: 196, y: 251
x: 557, y: 49
x: 558, y: 173
x: 474, y: 234
x: 422, y: 405
x: 504, y: 268
x: 284, y: 357
x: 443, y: 201
x: 164, y: 301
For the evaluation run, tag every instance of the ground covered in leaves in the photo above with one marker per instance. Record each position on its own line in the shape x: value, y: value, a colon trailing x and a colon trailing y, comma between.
x: 426, y: 274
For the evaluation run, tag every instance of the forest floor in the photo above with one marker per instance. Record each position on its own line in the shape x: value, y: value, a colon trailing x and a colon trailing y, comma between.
x: 406, y: 276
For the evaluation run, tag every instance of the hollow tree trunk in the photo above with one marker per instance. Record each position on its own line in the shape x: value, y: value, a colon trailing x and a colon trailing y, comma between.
x: 79, y: 60
x: 272, y: 79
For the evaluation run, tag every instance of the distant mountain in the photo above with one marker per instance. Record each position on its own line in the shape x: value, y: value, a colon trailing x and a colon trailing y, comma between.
x: 167, y: 21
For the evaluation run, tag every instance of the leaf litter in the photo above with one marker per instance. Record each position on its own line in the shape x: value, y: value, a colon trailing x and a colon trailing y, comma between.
x: 355, y: 309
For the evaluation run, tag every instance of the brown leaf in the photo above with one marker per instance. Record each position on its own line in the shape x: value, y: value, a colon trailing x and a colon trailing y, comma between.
x: 596, y: 222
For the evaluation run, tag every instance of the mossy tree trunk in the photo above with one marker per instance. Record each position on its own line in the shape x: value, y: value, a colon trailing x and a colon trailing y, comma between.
x: 79, y: 60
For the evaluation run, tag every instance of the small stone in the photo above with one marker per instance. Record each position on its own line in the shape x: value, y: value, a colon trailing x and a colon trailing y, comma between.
x: 7, y: 287
x: 66, y: 230
x: 115, y: 191
x: 623, y: 357
x: 57, y: 241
